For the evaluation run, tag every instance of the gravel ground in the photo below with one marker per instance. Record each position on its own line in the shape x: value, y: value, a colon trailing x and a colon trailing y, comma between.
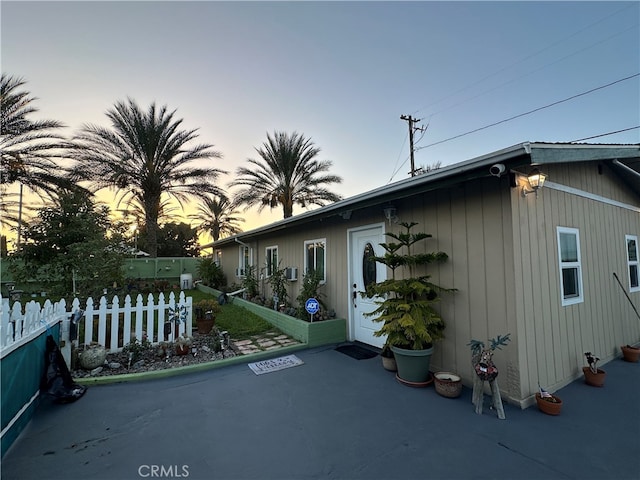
x: 155, y: 359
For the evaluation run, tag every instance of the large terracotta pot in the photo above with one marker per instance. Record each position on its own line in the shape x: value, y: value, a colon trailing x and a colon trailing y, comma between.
x: 630, y: 354
x: 205, y: 325
x: 594, y: 379
x: 550, y: 407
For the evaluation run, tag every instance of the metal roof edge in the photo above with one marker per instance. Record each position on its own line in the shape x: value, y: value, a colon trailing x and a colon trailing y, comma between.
x: 543, y: 153
x: 538, y: 151
x: 443, y: 172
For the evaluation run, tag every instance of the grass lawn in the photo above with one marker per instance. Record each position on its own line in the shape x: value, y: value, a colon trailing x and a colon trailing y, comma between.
x: 238, y: 321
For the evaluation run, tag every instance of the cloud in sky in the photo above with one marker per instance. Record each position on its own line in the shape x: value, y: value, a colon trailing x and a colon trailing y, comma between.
x: 341, y: 73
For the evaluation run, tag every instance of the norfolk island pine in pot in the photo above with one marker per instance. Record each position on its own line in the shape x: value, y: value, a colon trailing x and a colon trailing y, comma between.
x: 405, y: 308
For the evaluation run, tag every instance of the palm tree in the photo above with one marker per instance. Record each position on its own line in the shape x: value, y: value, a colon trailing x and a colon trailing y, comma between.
x: 28, y: 149
x: 288, y: 173
x: 217, y: 217
x: 145, y: 158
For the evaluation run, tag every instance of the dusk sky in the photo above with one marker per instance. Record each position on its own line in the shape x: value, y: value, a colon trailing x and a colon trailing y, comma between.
x: 341, y: 73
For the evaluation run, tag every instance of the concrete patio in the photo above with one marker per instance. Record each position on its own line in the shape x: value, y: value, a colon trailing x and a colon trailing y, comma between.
x: 333, y: 417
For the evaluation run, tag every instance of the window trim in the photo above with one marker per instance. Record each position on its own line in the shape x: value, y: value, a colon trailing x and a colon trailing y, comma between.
x: 324, y: 266
x: 563, y: 265
x: 242, y: 265
x: 268, y: 255
x: 631, y: 263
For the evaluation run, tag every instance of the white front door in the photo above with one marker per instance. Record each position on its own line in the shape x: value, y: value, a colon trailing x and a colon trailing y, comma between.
x: 363, y: 244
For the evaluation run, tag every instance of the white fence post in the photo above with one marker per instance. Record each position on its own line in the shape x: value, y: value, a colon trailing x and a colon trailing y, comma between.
x: 65, y: 342
x: 104, y: 325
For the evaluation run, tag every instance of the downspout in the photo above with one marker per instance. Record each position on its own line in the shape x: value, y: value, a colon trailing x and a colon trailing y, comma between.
x: 242, y: 243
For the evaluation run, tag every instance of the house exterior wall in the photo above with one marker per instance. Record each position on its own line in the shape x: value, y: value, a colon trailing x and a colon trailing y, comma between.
x: 290, y: 243
x: 503, y: 263
x: 471, y: 222
x: 552, y: 338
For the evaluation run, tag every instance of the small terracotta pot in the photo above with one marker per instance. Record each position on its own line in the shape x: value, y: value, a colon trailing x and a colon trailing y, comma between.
x: 630, y: 354
x: 549, y: 407
x: 594, y: 379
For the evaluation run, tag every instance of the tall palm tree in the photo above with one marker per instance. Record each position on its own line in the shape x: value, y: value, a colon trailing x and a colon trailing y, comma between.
x: 288, y: 173
x: 29, y: 150
x: 217, y: 217
x: 145, y: 158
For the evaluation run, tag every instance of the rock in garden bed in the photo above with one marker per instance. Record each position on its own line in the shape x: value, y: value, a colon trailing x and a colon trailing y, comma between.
x: 153, y: 358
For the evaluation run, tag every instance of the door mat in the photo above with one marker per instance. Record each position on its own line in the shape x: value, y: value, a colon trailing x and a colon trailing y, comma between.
x: 275, y: 364
x: 357, y: 352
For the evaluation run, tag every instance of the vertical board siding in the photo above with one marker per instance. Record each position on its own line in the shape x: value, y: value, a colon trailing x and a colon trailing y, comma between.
x: 556, y: 337
x: 503, y: 261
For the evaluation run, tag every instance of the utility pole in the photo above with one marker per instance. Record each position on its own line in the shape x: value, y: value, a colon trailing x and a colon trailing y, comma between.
x: 412, y: 121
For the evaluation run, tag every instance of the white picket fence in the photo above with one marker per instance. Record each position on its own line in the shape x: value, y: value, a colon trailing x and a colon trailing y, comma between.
x: 124, y: 322
x: 18, y: 327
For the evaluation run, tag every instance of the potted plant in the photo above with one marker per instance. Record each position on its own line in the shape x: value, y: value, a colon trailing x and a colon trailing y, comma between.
x: 183, y: 344
x: 388, y: 360
x: 630, y: 354
x: 205, y: 312
x: 548, y: 403
x: 593, y: 375
x: 405, y: 306
x: 448, y: 384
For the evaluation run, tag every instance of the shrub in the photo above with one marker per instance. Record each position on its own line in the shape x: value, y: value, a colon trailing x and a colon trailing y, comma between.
x: 210, y: 272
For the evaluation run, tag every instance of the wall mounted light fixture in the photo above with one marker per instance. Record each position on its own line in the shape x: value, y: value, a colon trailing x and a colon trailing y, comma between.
x: 535, y: 180
x: 390, y: 214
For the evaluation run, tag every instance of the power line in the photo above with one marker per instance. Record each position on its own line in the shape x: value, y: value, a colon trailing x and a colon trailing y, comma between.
x: 398, y: 159
x: 524, y: 59
x: 605, y: 134
x: 530, y: 111
x: 531, y: 72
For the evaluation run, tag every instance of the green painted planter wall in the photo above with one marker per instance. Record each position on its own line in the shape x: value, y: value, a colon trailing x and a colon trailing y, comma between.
x: 313, y: 334
x: 22, y: 370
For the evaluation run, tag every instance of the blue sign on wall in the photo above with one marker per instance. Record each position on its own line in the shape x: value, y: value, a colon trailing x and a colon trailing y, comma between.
x: 312, y: 306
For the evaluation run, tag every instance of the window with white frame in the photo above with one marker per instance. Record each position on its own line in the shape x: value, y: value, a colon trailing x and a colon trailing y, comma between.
x: 315, y: 258
x: 570, y: 266
x: 632, y: 262
x: 245, y: 260
x: 271, y: 258
x: 217, y: 257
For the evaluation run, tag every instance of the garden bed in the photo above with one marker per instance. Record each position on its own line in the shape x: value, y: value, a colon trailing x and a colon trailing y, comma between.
x: 153, y: 359
x: 312, y: 333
